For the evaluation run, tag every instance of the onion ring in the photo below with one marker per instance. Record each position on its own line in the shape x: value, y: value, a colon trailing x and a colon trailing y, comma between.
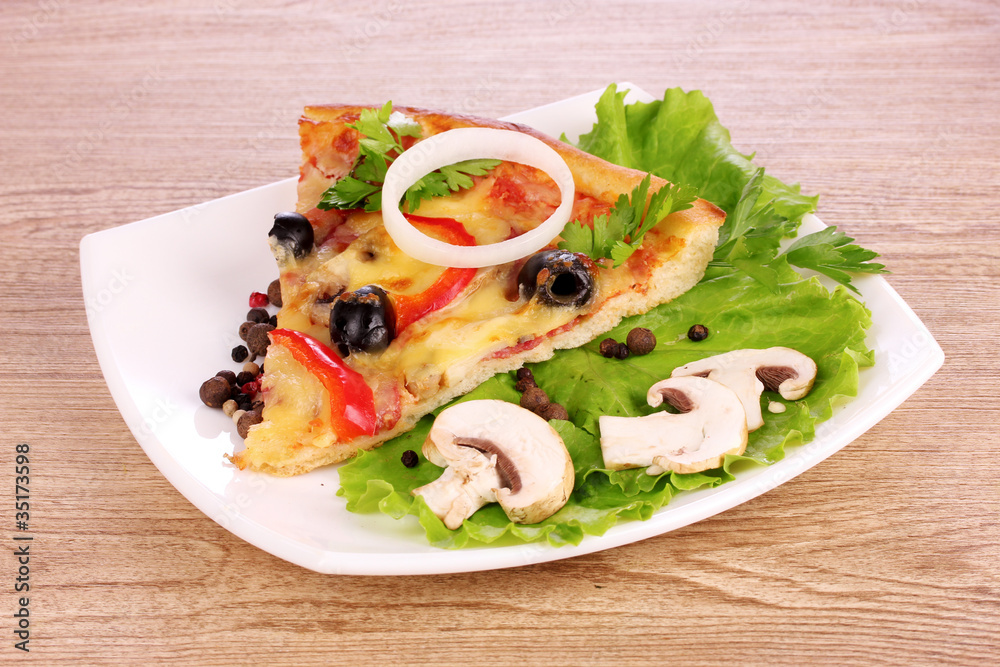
x: 467, y: 143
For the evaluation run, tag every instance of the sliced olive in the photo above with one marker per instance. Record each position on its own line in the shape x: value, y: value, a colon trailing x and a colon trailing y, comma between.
x: 293, y: 231
x: 362, y: 320
x: 559, y: 277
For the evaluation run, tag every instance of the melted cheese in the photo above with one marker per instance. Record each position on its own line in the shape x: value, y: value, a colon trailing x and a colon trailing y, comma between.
x: 296, y: 408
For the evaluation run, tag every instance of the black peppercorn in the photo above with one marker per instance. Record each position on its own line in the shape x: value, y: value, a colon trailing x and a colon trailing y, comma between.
x: 698, y: 332
x: 215, y: 391
x: 640, y: 341
x: 525, y: 379
x: 248, y: 419
x: 553, y: 411
x: 244, y: 402
x: 240, y: 354
x: 274, y: 293
x: 273, y: 321
x: 243, y: 377
x: 410, y: 458
x: 258, y: 315
x: 258, y: 340
x: 621, y: 351
x: 229, y: 375
x: 609, y: 347
x: 525, y: 384
x: 534, y: 399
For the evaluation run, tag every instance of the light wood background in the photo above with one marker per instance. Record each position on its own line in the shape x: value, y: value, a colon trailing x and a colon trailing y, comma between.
x: 887, y: 553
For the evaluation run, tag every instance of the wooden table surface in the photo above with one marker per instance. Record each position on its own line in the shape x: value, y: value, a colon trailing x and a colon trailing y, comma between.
x: 886, y: 553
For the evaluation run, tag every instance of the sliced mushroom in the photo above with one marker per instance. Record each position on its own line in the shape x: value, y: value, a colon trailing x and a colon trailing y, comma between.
x: 750, y: 372
x: 710, y: 424
x: 494, y: 451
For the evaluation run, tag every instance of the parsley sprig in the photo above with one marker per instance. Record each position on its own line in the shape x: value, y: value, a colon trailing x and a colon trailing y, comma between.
x: 619, y: 233
x: 381, y: 141
x: 750, y: 239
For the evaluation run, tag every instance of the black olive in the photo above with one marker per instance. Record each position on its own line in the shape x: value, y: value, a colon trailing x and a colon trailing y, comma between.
x: 362, y: 320
x: 293, y: 231
x: 560, y: 278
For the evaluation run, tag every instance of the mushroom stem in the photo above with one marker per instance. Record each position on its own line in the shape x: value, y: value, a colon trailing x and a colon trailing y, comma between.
x: 463, y: 487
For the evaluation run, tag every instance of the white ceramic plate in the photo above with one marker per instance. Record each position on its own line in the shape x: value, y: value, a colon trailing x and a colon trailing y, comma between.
x: 179, y: 282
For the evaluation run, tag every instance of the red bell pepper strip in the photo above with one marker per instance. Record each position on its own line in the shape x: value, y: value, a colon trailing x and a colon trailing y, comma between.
x: 352, y: 405
x: 410, y: 308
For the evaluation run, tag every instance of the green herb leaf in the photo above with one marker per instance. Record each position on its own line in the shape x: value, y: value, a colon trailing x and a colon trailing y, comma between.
x: 450, y: 178
x: 381, y: 133
x: 619, y: 233
x: 832, y: 253
x: 348, y: 192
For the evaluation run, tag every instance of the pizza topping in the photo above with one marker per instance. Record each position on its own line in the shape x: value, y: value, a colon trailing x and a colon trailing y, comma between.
x: 362, y: 320
x: 559, y: 278
x: 459, y: 144
x: 384, y: 135
x: 750, y: 372
x: 293, y: 233
x: 451, y: 282
x: 352, y: 405
x: 710, y: 424
x: 494, y: 451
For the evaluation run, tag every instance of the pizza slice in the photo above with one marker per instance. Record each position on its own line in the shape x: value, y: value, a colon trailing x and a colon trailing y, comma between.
x: 369, y: 339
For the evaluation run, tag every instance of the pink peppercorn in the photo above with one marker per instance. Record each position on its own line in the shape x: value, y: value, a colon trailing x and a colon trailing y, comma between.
x: 258, y: 300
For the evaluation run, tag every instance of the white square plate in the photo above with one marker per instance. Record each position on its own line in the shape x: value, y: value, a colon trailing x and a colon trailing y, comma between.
x: 163, y: 298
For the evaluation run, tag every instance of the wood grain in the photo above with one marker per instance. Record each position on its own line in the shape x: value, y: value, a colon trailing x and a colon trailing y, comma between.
x: 887, y: 553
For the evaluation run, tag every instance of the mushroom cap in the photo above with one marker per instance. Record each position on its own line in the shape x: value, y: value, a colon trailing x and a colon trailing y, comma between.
x: 749, y: 372
x: 533, y: 470
x: 711, y: 424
